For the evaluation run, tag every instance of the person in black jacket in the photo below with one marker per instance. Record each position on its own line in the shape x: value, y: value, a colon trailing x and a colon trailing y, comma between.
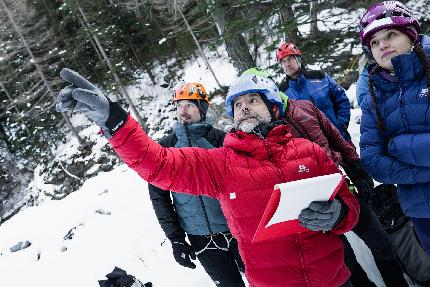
x: 199, y: 218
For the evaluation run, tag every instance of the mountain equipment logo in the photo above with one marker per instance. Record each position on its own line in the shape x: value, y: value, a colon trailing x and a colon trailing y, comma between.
x: 303, y: 168
x: 424, y: 93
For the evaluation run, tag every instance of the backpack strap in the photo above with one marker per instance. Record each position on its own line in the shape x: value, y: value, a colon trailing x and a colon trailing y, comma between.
x: 314, y: 74
x: 169, y: 140
x: 283, y: 86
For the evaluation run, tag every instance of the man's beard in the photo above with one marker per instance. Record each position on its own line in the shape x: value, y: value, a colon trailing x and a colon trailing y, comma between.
x: 247, y: 126
x: 184, y: 118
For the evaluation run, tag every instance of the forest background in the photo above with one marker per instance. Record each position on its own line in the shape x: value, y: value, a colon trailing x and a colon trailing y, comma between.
x: 129, y: 43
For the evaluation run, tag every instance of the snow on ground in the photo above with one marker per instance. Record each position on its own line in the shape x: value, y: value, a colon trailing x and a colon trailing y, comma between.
x: 113, y: 224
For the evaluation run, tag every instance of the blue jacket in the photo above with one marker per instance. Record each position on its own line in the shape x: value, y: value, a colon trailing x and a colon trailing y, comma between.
x: 325, y: 94
x: 362, y: 88
x: 400, y: 153
x: 192, y: 214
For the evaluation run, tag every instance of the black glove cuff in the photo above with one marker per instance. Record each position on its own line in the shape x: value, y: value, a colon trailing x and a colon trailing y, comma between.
x: 117, y: 117
x: 177, y: 239
x: 342, y: 214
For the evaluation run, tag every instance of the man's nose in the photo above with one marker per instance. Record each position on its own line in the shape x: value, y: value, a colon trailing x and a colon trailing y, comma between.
x: 245, y: 107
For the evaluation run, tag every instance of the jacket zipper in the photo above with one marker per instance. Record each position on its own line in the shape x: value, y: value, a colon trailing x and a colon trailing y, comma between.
x: 402, y: 109
x: 271, y: 156
x: 302, y: 263
x: 200, y: 197
x: 297, y: 235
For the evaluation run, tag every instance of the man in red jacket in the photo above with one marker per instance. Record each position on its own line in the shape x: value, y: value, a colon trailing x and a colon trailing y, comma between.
x: 257, y: 154
x: 305, y: 120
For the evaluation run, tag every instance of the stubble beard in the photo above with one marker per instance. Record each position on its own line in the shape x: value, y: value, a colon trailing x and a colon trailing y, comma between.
x: 247, y: 126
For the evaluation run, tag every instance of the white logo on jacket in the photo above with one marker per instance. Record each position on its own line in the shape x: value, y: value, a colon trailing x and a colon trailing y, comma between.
x: 303, y: 168
x: 424, y: 92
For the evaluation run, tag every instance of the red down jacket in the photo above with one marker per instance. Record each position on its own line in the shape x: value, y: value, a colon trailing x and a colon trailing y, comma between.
x: 241, y: 175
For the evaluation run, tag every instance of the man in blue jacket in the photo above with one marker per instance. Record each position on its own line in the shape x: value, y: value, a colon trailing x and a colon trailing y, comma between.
x: 314, y: 86
x: 200, y: 218
x: 362, y: 86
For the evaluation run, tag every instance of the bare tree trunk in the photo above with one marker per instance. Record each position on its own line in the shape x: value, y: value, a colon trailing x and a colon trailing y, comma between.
x: 286, y: 15
x: 10, y: 158
x: 197, y: 44
x: 13, y: 165
x: 3, y: 87
x: 123, y: 91
x: 142, y: 64
x: 237, y: 48
x: 90, y: 38
x: 314, y: 18
x: 39, y: 69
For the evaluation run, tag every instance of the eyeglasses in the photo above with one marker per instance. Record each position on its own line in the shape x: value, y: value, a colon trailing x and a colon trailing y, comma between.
x: 185, y: 105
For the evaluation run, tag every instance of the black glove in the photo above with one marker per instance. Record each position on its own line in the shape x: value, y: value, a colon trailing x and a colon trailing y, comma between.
x: 364, y: 189
x: 84, y: 97
x: 183, y: 253
x: 356, y: 172
x: 360, y: 178
x: 322, y: 215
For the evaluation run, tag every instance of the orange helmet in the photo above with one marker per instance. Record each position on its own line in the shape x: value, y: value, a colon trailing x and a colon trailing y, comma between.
x: 287, y: 49
x: 190, y: 91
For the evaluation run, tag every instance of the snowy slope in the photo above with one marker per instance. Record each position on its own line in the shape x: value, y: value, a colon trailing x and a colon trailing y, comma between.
x: 113, y: 225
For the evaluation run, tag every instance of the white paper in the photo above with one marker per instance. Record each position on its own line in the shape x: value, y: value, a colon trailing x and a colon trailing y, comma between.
x: 297, y: 195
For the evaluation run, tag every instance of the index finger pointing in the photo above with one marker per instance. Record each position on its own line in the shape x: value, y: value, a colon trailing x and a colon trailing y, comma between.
x: 76, y: 79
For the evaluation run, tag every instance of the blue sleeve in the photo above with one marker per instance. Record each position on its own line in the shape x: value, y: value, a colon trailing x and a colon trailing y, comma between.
x: 362, y: 88
x: 341, y: 102
x: 411, y: 149
x: 382, y: 167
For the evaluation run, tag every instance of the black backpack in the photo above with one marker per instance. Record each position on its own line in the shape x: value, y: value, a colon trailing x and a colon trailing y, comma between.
x: 120, y: 278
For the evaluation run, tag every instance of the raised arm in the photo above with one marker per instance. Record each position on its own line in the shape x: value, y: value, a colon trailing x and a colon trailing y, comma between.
x: 168, y: 168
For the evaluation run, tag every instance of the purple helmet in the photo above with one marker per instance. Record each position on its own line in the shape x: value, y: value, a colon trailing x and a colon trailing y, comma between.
x: 385, y: 15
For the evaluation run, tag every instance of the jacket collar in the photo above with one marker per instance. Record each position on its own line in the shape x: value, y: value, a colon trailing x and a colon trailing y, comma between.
x: 255, y: 146
x: 297, y: 83
x: 194, y: 130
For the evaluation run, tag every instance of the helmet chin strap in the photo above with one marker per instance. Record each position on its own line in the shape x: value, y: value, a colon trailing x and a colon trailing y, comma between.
x: 299, y: 61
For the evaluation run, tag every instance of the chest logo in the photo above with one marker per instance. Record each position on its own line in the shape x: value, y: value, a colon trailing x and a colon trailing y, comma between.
x: 423, y: 93
x: 232, y: 195
x: 303, y: 168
